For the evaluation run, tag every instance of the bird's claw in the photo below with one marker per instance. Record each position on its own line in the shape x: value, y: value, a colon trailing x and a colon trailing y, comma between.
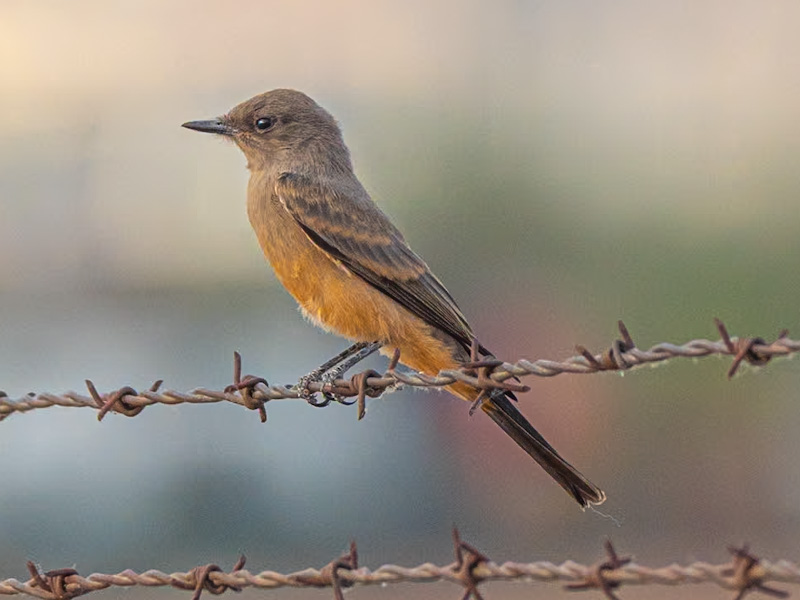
x: 324, y: 377
x: 330, y: 371
x: 317, y: 376
x: 302, y: 386
x: 330, y: 377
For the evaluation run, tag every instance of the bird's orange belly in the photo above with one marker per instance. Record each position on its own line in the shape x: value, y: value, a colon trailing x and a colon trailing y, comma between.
x: 337, y: 300
x: 340, y: 301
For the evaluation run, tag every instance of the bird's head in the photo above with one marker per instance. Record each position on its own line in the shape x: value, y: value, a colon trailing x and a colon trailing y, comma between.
x: 279, y: 127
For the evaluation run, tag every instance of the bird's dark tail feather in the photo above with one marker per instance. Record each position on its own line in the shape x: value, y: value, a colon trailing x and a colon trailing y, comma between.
x: 505, y: 414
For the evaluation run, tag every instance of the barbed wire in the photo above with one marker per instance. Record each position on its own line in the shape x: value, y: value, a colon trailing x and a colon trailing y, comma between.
x: 745, y: 573
x: 486, y: 374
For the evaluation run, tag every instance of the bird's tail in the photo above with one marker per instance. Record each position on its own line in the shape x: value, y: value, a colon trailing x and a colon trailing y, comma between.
x: 505, y: 414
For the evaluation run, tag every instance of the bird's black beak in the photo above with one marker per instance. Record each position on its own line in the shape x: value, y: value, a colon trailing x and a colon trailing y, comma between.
x: 213, y: 126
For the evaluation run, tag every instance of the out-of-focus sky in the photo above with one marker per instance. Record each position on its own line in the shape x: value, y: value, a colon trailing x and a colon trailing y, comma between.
x: 560, y: 165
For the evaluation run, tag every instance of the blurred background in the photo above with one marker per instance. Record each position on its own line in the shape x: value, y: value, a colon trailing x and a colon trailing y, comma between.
x: 560, y: 165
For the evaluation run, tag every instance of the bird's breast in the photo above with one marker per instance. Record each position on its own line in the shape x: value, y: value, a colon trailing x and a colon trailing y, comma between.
x: 334, y: 298
x: 327, y: 292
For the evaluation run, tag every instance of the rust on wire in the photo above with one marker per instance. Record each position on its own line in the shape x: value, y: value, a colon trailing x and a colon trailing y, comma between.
x: 747, y: 575
x: 199, y: 579
x: 329, y: 575
x: 597, y: 576
x: 745, y: 348
x: 363, y: 389
x: 468, y: 559
x: 612, y: 359
x: 245, y: 386
x: 481, y: 369
x: 484, y: 368
x: 484, y: 374
x: 115, y: 401
x: 52, y: 583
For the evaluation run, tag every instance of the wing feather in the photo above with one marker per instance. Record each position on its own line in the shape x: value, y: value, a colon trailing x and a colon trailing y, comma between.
x: 344, y: 222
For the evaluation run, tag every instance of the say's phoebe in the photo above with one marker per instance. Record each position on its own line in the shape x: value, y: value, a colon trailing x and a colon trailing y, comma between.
x: 347, y: 266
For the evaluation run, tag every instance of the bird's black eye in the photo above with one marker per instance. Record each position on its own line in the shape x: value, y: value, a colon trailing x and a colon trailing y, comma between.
x: 265, y: 123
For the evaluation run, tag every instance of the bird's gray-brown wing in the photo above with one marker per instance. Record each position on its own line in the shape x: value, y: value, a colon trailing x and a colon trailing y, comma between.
x: 341, y: 219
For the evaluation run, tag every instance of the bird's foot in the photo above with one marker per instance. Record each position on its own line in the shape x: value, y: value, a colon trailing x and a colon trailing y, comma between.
x: 330, y: 378
x: 306, y: 394
x: 332, y: 370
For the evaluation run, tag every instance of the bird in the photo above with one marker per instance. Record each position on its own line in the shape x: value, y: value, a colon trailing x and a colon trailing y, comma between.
x: 349, y: 268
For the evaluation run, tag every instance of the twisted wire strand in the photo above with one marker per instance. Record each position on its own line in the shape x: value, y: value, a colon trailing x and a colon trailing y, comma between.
x: 574, y: 574
x: 622, y: 355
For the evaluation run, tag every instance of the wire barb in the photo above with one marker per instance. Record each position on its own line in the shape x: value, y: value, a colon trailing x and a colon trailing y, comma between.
x: 199, y: 579
x: 116, y: 400
x: 745, y: 348
x: 245, y: 387
x: 330, y: 573
x: 52, y: 583
x: 596, y: 577
x: 747, y: 576
x: 468, y: 558
x: 485, y: 375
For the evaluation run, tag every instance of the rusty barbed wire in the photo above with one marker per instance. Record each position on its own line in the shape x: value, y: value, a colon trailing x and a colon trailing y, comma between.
x: 487, y: 374
x: 745, y: 573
